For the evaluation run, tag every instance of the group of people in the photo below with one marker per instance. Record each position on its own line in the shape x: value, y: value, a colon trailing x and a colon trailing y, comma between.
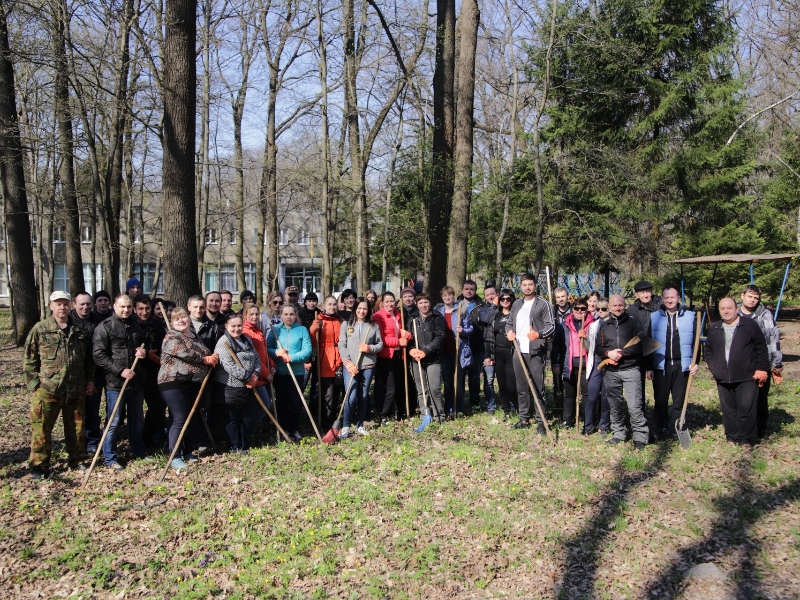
x: 370, y: 353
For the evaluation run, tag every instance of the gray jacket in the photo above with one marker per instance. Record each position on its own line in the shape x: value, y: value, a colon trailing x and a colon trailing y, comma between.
x: 350, y: 336
x: 763, y: 317
x: 542, y: 322
x: 227, y: 371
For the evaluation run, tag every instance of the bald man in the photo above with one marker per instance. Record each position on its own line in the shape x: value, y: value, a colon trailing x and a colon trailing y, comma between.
x: 737, y: 356
x: 621, y: 374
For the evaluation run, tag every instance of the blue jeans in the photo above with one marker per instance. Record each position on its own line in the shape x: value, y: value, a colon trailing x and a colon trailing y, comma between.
x: 356, y: 402
x: 133, y: 400
x: 263, y: 393
x: 488, y: 386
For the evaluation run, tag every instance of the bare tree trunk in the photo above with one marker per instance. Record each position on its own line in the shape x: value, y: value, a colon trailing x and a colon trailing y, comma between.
x: 328, y: 215
x: 66, y: 171
x: 462, y: 193
x: 178, y: 208
x: 386, y: 218
x: 354, y: 143
x: 19, y: 252
x: 441, y: 192
x: 537, y: 163
x: 203, y: 174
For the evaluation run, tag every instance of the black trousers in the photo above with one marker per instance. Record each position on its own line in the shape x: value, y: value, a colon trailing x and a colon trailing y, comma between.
x: 241, y: 422
x: 154, y: 432
x: 180, y: 401
x: 571, y: 392
x: 289, y: 404
x: 506, y: 380
x: 672, y: 380
x: 762, y: 410
x: 739, y: 402
x: 389, y: 378
x: 330, y: 402
x: 534, y: 363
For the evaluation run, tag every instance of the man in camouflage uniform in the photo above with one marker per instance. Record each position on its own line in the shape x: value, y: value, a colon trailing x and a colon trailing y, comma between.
x: 59, y: 370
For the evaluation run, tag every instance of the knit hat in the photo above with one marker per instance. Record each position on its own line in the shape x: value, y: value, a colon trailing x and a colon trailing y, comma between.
x: 246, y: 294
x: 102, y: 294
x: 132, y: 282
x: 410, y: 290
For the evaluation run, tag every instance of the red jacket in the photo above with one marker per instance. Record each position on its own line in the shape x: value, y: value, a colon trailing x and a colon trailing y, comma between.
x: 328, y: 327
x: 389, y: 333
x: 260, y: 344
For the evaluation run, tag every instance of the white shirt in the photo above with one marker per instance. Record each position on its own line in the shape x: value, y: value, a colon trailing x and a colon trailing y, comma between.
x: 522, y: 326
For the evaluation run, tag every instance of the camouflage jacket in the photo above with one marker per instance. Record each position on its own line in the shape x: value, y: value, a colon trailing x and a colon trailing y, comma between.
x: 61, y: 364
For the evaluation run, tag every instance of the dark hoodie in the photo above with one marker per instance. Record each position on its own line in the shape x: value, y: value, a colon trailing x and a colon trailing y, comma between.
x: 613, y: 334
x: 643, y: 312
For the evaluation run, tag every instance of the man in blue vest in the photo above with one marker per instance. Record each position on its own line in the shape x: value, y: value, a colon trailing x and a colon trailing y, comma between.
x: 673, y: 326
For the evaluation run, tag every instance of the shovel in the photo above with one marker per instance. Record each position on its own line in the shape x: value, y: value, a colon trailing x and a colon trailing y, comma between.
x: 426, y: 417
x: 684, y: 437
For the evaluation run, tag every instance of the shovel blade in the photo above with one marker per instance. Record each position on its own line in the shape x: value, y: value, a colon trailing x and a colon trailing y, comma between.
x: 426, y: 420
x: 684, y: 437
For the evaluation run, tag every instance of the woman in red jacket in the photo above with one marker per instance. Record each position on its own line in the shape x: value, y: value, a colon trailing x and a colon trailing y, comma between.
x: 252, y: 330
x: 389, y: 365
x: 325, y: 338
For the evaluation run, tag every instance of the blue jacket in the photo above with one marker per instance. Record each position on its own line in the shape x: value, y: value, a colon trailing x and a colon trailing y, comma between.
x: 464, y: 350
x: 296, y: 342
x: 658, y: 324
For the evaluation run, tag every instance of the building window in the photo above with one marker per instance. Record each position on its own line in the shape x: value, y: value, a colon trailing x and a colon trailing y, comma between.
x: 3, y: 280
x: 86, y: 234
x: 60, y: 279
x: 302, y: 237
x: 147, y: 273
x: 229, y: 280
x: 33, y: 237
x: 212, y: 280
x: 307, y: 279
x: 283, y: 238
x: 255, y: 236
x: 250, y: 276
x: 87, y: 277
x: 137, y: 235
x: 58, y: 237
x: 231, y: 236
x: 212, y: 237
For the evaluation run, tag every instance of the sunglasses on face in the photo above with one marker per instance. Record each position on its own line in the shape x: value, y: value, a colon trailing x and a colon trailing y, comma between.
x: 603, y: 309
x: 277, y: 302
x: 579, y: 309
x: 505, y: 299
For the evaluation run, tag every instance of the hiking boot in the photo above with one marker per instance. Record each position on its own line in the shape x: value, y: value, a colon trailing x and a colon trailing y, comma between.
x: 614, y: 441
x: 344, y: 433
x: 116, y: 466
x: 639, y: 445
x: 37, y: 473
x: 541, y: 430
x: 521, y: 424
x: 178, y: 463
x: 362, y: 431
x: 604, y: 433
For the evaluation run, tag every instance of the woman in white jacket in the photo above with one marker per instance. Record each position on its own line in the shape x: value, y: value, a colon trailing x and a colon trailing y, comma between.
x: 597, y: 393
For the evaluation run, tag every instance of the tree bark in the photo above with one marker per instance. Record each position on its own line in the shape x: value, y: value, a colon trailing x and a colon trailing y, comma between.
x: 462, y: 192
x: 441, y: 190
x: 66, y: 171
x: 328, y: 212
x: 19, y: 251
x: 178, y: 207
x: 203, y: 169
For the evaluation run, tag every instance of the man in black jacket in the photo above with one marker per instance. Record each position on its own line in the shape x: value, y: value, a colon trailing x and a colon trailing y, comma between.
x: 482, y: 317
x: 531, y: 324
x: 736, y: 354
x: 208, y: 331
x: 203, y: 327
x: 154, y: 329
x: 428, y: 330
x: 116, y: 343
x: 84, y: 317
x: 642, y: 310
x: 621, y: 373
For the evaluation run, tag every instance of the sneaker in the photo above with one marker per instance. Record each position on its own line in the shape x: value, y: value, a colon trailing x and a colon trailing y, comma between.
x: 384, y: 422
x: 604, y: 433
x: 78, y: 467
x: 614, y: 441
x: 116, y: 466
x: 178, y: 463
x: 202, y: 450
x: 522, y: 424
x: 362, y: 431
x: 296, y: 437
x: 344, y: 433
x: 541, y: 430
x: 491, y: 412
x: 190, y: 458
x: 639, y: 445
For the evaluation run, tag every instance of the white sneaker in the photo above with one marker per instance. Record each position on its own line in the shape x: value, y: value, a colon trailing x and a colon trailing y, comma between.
x: 296, y: 437
x: 344, y: 433
x: 362, y: 431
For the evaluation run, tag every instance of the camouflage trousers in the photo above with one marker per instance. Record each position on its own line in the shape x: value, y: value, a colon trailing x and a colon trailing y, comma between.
x: 45, y: 409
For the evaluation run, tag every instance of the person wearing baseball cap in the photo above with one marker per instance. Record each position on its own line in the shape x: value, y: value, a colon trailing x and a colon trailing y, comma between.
x: 59, y: 370
x: 642, y: 311
x: 293, y: 295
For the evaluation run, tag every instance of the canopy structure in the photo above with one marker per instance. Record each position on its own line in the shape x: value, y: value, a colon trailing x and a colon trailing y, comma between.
x: 737, y: 258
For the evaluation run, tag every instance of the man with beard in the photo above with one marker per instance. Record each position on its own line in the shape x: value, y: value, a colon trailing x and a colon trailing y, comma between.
x: 213, y: 309
x: 226, y: 302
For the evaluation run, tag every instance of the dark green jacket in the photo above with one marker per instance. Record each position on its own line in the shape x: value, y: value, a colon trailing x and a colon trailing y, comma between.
x: 60, y: 364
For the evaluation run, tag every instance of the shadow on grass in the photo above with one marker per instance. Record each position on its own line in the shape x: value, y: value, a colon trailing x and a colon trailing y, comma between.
x: 584, y: 549
x: 731, y: 534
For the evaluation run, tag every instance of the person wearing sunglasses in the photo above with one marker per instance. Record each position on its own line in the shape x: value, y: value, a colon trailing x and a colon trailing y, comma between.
x: 569, y: 353
x: 597, y: 414
x: 500, y: 352
x: 272, y: 311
